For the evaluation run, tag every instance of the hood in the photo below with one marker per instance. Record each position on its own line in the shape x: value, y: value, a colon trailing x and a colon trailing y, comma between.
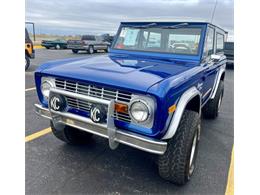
x: 128, y: 72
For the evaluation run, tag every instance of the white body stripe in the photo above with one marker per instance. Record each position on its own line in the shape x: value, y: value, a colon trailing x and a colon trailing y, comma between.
x: 217, y: 79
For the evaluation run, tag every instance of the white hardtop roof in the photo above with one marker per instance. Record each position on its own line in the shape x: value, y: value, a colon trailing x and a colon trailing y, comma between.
x: 176, y: 19
x: 167, y: 19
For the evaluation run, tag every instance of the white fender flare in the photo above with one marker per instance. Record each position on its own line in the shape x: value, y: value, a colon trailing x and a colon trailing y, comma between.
x: 217, y: 80
x: 184, y: 100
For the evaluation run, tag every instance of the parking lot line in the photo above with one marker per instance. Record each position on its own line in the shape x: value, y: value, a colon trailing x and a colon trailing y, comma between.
x: 38, y: 47
x: 37, y: 134
x: 30, y: 89
x: 230, y: 182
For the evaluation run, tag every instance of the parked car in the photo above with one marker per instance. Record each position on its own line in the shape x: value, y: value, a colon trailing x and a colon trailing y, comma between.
x: 29, y: 50
x: 108, y: 38
x: 229, y: 53
x: 146, y: 96
x: 56, y: 44
x: 89, y: 43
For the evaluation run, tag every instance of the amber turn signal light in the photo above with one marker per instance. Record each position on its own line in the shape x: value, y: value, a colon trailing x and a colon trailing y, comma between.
x: 123, y: 108
x: 172, y: 108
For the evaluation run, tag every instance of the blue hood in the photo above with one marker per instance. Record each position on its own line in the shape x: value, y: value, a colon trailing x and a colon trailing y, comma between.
x: 122, y: 71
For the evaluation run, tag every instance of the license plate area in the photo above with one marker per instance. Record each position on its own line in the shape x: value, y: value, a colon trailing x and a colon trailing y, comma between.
x: 97, y: 110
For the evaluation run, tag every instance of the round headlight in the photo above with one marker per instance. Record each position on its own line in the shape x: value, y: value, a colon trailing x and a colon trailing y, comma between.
x: 45, y: 88
x: 139, y: 111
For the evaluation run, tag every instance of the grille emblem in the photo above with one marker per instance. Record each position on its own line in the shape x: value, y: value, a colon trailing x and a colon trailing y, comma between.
x: 57, y: 102
x: 98, y: 113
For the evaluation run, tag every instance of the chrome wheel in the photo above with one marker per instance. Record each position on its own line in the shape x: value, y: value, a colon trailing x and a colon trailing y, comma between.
x: 193, y: 153
x: 57, y: 47
x: 91, y: 50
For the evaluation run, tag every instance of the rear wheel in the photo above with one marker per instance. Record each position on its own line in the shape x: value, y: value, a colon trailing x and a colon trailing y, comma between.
x: 27, y: 62
x: 177, y: 164
x: 57, y: 46
x: 75, y: 51
x: 91, y: 49
x: 70, y: 135
x: 212, y: 107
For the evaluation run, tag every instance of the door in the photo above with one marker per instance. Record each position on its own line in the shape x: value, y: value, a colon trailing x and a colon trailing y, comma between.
x: 210, y: 67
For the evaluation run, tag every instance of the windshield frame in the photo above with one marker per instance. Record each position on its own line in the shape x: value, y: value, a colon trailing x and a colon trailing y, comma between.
x: 202, y: 26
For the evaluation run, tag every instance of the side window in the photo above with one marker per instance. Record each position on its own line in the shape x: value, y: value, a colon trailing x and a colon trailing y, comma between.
x: 209, y: 44
x: 220, y: 42
x: 98, y: 38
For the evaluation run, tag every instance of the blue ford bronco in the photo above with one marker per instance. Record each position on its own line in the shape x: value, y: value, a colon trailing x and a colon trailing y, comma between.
x: 148, y: 92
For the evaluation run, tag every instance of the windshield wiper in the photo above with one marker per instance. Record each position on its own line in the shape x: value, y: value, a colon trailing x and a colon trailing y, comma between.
x: 159, y: 26
x: 176, y: 26
x: 145, y: 26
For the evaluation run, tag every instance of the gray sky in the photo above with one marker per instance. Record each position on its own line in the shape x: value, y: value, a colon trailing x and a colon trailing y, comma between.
x: 103, y: 16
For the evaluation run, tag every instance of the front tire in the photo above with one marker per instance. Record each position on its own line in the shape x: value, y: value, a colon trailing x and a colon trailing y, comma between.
x: 177, y: 164
x: 211, y: 109
x: 71, y: 135
x: 27, y: 62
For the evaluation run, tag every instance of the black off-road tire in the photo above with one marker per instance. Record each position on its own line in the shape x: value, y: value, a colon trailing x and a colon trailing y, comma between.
x: 71, y: 135
x: 47, y: 47
x: 75, y: 51
x: 27, y: 62
x: 174, y: 164
x: 211, y: 108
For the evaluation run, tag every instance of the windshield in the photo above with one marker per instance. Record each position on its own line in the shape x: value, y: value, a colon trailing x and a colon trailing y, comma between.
x: 158, y: 39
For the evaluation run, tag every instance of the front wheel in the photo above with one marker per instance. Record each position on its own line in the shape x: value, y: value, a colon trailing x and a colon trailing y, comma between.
x: 70, y: 135
x: 177, y: 164
x: 27, y: 62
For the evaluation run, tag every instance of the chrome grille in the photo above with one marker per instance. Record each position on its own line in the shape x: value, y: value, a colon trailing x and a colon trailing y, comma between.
x: 122, y: 117
x: 93, y: 91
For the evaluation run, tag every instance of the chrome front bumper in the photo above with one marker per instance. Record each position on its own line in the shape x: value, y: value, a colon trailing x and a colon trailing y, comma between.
x: 109, y: 131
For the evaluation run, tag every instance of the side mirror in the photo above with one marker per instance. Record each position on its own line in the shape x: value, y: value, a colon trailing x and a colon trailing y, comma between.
x: 215, y: 57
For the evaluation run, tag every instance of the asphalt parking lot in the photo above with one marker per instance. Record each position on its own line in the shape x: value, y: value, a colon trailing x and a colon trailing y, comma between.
x: 53, y: 167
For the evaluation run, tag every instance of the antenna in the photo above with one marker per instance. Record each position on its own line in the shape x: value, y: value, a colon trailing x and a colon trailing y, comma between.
x: 213, y: 13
